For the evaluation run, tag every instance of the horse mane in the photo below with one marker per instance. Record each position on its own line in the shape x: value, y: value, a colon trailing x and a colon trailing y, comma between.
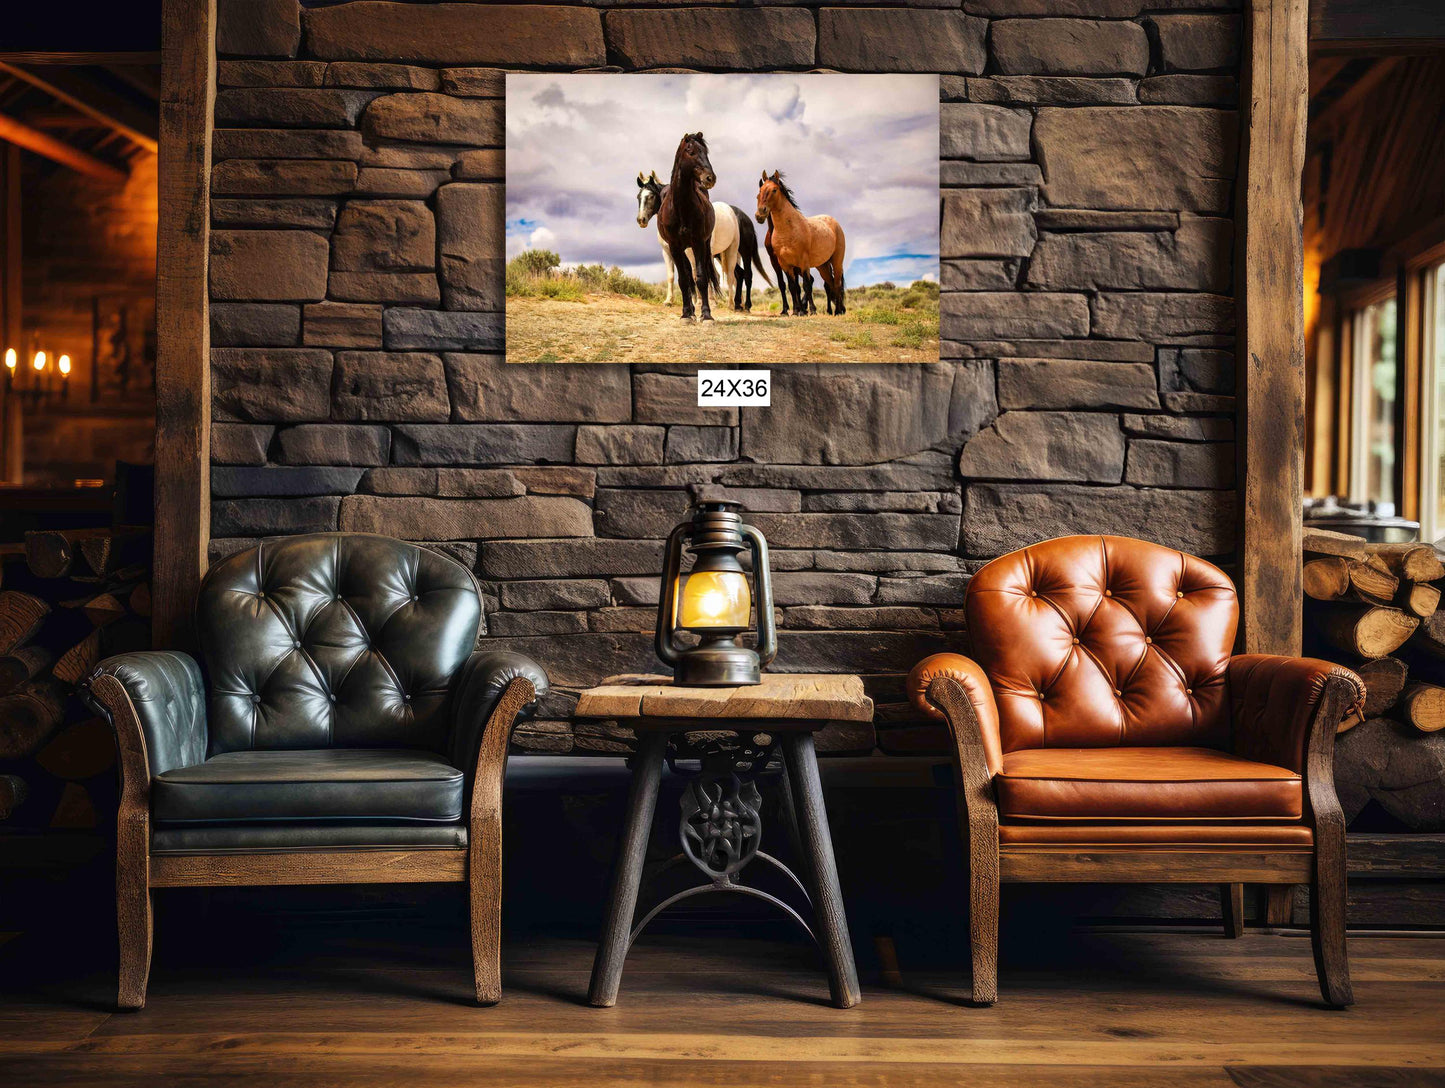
x: 783, y: 186
x: 698, y: 136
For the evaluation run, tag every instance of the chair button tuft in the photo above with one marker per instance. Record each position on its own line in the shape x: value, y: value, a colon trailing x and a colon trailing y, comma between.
x: 1118, y: 694
x: 1148, y: 641
x: 1108, y: 593
x: 1179, y: 593
x: 1076, y: 642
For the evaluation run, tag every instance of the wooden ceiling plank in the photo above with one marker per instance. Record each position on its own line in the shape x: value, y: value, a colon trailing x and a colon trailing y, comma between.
x: 22, y: 135
x: 84, y: 95
x: 1344, y: 106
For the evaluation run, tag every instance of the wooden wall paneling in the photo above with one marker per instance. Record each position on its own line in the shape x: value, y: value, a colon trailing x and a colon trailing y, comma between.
x: 1344, y: 387
x: 183, y: 372
x: 1326, y: 400
x: 12, y: 444
x: 1271, y: 333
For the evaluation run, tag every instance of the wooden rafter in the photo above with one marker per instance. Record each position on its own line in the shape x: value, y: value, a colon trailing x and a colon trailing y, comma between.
x: 42, y: 143
x: 100, y: 105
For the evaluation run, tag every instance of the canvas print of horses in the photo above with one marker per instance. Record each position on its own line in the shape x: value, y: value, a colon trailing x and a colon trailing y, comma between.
x: 778, y: 218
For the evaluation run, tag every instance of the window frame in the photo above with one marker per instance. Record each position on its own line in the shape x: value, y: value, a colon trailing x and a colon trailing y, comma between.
x: 1353, y: 391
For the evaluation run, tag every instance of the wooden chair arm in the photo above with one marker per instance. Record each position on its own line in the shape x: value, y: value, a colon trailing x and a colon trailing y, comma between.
x: 978, y: 808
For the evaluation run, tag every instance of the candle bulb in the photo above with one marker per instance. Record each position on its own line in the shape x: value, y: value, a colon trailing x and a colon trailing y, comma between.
x: 64, y: 364
x: 10, y: 359
x: 39, y: 360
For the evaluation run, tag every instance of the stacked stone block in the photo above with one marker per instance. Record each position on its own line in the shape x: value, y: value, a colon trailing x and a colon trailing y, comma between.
x: 1089, y: 157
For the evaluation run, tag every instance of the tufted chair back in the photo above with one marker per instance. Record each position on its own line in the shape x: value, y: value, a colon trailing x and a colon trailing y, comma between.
x: 1098, y: 641
x: 334, y: 640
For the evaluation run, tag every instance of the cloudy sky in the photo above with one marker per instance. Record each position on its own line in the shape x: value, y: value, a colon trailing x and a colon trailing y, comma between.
x: 861, y: 148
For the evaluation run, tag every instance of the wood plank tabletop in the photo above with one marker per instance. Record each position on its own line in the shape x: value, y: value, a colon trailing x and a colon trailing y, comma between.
x: 781, y: 696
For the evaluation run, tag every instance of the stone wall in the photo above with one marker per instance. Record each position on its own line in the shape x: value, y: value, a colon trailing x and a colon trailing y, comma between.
x: 1086, y: 386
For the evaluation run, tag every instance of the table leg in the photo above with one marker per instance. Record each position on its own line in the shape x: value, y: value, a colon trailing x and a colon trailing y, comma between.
x: 622, y: 902
x: 829, y: 919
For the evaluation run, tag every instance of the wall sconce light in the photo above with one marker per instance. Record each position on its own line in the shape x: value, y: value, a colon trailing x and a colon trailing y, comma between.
x: 37, y: 383
x: 713, y: 600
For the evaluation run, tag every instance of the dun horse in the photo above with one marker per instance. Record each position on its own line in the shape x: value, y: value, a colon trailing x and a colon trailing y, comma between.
x: 685, y: 219
x: 802, y: 244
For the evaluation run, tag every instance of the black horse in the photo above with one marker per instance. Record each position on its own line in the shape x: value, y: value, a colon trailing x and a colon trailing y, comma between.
x: 685, y: 220
x: 748, y: 256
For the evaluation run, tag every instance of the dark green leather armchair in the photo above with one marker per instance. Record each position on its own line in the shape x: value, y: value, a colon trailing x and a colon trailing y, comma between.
x: 341, y: 728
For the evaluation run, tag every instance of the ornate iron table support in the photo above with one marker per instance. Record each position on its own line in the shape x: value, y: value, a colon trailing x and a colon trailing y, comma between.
x: 721, y: 833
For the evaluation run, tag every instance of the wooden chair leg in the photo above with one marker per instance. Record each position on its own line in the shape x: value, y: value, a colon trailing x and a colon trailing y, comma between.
x: 983, y: 893
x: 1277, y: 904
x: 1231, y: 904
x: 484, y: 878
x: 135, y: 926
x: 1328, y: 893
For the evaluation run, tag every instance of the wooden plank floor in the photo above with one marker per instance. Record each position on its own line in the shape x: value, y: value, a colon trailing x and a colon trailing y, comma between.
x: 378, y: 1001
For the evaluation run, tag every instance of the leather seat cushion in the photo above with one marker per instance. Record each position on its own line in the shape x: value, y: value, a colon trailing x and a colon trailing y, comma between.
x: 385, y: 785
x: 1150, y: 784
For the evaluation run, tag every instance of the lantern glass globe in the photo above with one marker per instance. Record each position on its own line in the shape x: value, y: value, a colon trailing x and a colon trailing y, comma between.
x: 713, y: 599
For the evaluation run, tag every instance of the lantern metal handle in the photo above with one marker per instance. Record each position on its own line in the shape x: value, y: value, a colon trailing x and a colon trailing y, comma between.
x: 763, y: 594
x: 667, y: 650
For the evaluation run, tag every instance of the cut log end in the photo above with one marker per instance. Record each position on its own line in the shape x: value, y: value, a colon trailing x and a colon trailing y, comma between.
x: 1370, y: 632
x: 1423, y: 705
x: 20, y: 617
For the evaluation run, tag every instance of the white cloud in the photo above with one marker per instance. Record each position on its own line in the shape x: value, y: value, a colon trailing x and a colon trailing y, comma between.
x: 862, y: 148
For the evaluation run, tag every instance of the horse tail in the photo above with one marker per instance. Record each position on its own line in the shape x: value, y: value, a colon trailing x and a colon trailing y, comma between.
x: 745, y: 226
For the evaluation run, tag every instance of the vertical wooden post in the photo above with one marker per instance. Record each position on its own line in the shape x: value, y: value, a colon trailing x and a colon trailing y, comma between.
x: 183, y: 366
x: 1269, y: 270
x: 12, y: 445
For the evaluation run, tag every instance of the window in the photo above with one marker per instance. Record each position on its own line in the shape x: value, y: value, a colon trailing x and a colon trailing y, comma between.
x: 1432, y: 437
x: 1376, y: 380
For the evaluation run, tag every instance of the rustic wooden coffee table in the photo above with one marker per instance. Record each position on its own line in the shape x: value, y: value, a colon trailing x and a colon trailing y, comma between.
x: 721, y: 825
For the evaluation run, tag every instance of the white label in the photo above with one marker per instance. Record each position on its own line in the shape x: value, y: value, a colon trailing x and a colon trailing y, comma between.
x: 734, y: 388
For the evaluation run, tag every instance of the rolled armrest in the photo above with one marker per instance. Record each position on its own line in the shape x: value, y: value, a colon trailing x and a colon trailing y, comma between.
x: 162, y: 695
x: 1273, y: 702
x: 970, y: 676
x: 479, y: 689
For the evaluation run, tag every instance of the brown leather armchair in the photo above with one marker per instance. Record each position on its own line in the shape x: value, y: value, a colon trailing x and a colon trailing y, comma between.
x: 1105, y: 731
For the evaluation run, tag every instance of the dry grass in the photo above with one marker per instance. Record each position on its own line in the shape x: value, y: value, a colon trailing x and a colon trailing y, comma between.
x: 883, y: 325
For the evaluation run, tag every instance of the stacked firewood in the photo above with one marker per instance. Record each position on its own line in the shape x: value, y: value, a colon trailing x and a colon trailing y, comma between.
x: 1377, y: 609
x: 68, y: 598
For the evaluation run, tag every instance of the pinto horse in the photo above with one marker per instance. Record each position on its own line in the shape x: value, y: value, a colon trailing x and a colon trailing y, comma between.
x: 685, y: 219
x: 734, y: 243
x: 802, y: 244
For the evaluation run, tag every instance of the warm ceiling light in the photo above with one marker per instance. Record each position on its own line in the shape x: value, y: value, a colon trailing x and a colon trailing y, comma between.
x: 40, y: 360
x: 10, y: 358
x: 64, y: 364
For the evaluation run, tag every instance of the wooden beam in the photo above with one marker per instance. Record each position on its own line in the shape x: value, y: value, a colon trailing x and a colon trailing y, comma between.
x: 31, y: 56
x: 1270, y: 264
x: 183, y: 326
x: 85, y: 96
x: 42, y: 143
x: 1373, y: 26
